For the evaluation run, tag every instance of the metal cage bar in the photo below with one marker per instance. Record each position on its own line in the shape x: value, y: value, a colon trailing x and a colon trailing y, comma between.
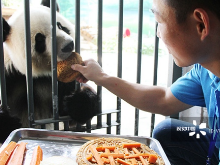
x: 54, y: 64
x: 3, y: 95
x: 30, y: 96
x: 120, y: 43
x: 99, y: 88
x: 139, y: 54
x: 155, y: 72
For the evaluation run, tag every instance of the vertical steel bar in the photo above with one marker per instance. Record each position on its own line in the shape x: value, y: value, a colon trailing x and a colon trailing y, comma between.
x: 88, y: 126
x: 3, y: 99
x: 139, y: 54
x: 99, y: 88
x: 120, y: 43
x: 109, y: 122
x: 77, y: 37
x: 30, y: 98
x: 77, y: 26
x: 66, y: 126
x: 155, y: 72
x: 54, y: 64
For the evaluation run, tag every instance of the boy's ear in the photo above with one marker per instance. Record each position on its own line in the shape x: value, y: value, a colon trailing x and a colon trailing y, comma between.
x: 6, y: 29
x: 202, y: 22
x: 47, y: 3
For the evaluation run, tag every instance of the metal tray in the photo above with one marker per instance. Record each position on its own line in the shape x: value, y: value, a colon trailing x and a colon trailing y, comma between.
x: 66, y: 143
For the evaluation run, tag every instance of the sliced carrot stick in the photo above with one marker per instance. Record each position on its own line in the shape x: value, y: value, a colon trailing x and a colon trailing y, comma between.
x: 152, y: 158
x: 6, y: 152
x: 96, y: 155
x: 89, y: 157
x: 123, y: 162
x: 144, y: 155
x: 131, y: 145
x: 143, y: 161
x: 105, y: 160
x: 37, y: 156
x: 111, y: 159
x: 126, y: 151
x: 116, y: 151
x: 134, y: 162
x: 111, y: 148
x: 135, y: 151
x: 114, y: 155
x: 18, y: 154
x: 102, y: 148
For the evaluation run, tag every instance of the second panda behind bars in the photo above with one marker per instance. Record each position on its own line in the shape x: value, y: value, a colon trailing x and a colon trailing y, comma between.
x: 80, y: 105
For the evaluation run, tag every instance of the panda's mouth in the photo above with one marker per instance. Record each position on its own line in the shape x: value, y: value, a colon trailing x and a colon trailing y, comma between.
x: 68, y: 47
x: 65, y: 51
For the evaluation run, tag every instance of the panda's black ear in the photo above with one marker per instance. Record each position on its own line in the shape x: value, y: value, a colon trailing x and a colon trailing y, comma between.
x: 6, y: 29
x: 47, y: 3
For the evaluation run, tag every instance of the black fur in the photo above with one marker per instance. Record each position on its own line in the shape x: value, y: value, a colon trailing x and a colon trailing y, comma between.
x: 47, y: 3
x: 40, y: 44
x: 6, y: 29
x: 65, y: 29
x: 8, y: 124
x: 85, y: 104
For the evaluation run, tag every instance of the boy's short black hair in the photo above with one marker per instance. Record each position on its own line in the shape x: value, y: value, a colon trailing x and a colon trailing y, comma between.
x: 184, y: 7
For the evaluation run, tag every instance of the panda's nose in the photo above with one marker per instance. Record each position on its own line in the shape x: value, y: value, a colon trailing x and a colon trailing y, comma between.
x: 68, y: 48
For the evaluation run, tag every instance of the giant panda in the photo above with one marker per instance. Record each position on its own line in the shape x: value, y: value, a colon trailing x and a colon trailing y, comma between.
x: 80, y: 104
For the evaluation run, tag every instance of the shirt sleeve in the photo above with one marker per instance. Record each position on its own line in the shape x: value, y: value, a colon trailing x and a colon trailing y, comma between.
x: 188, y: 88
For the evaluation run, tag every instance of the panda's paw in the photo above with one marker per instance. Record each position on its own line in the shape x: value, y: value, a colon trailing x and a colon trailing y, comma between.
x: 82, y: 105
x: 7, y: 124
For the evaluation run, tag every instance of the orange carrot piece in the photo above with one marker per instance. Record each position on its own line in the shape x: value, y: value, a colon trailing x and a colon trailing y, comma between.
x: 111, y: 148
x: 116, y: 151
x: 114, y: 155
x: 152, y: 158
x: 96, y: 155
x: 131, y: 145
x: 18, y: 154
x: 144, y: 155
x: 102, y: 148
x: 134, y: 161
x: 89, y: 157
x: 135, y: 151
x: 111, y: 159
x: 143, y: 161
x: 105, y: 160
x: 123, y: 162
x: 37, y: 156
x: 6, y: 152
x: 126, y: 151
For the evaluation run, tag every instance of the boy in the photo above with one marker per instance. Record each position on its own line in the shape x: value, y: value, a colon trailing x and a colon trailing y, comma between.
x: 190, y: 29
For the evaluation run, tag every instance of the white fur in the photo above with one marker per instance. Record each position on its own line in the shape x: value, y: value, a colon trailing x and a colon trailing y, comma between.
x: 14, y: 46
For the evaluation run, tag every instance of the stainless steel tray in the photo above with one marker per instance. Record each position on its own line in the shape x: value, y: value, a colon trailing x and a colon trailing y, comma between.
x: 66, y: 143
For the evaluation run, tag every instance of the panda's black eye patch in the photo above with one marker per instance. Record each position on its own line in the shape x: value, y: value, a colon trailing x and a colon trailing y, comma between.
x: 63, y: 28
x: 59, y: 25
x: 40, y: 44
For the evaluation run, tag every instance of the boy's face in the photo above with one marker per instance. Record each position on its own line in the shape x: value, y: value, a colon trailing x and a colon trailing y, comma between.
x: 181, y: 40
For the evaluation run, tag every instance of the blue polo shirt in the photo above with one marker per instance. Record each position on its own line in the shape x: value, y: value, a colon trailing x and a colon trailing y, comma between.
x: 199, y: 87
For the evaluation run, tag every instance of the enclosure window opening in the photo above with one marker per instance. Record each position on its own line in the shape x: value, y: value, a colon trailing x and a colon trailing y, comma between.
x: 109, y: 119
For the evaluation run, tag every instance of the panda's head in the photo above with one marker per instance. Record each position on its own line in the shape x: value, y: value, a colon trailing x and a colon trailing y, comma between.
x: 41, y: 51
